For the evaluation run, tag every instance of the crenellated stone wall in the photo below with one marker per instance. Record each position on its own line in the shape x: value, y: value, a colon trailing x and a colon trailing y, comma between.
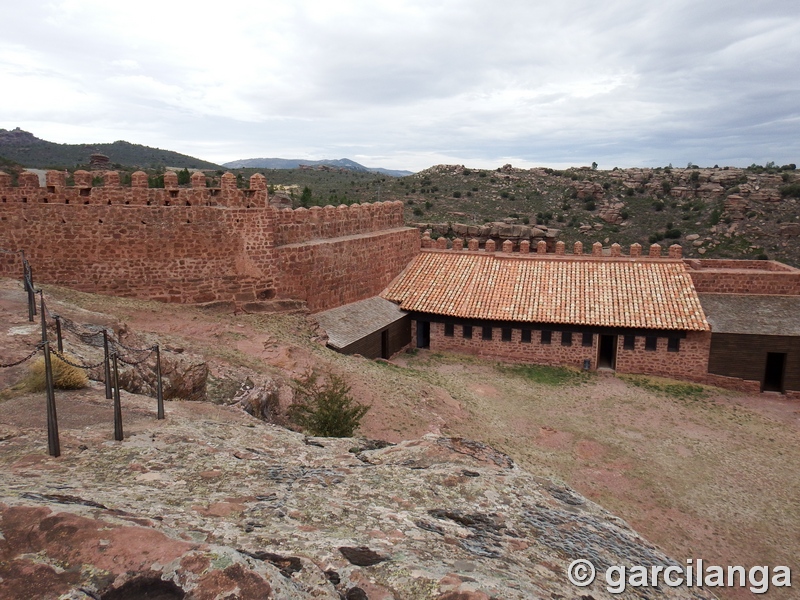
x: 744, y: 277
x: 198, y: 244
x: 302, y: 225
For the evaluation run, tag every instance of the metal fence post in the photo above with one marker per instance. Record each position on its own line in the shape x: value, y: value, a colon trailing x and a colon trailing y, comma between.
x: 28, y: 281
x: 53, y: 445
x: 107, y: 365
x: 118, y: 435
x: 160, y: 387
x: 58, y: 334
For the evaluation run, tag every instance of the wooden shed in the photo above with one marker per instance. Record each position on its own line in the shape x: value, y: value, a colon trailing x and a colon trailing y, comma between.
x: 756, y: 338
x: 374, y: 328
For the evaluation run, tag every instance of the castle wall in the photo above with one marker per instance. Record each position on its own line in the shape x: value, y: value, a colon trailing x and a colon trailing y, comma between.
x: 744, y: 277
x: 301, y: 225
x: 198, y: 244
x: 172, y: 254
x: 337, y: 271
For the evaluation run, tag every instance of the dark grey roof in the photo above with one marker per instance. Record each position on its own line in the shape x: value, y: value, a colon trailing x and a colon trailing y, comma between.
x: 352, y: 322
x: 752, y: 314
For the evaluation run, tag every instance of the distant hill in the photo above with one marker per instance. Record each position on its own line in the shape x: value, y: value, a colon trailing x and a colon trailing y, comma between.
x: 296, y: 163
x: 25, y: 148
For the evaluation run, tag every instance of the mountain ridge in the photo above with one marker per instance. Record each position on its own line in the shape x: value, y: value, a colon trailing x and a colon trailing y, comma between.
x: 26, y: 149
x: 298, y: 163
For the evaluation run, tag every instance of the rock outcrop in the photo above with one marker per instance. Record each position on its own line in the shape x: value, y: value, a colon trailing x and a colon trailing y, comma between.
x: 211, y: 503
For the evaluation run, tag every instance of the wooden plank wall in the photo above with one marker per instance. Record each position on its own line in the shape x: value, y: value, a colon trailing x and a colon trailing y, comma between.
x: 370, y: 346
x: 745, y: 356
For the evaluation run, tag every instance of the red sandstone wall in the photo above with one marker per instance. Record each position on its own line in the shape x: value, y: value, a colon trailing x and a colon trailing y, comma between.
x: 691, y: 362
x: 198, y: 244
x: 514, y: 351
x: 729, y: 281
x: 175, y: 254
x: 111, y: 192
x: 730, y: 263
x: 743, y: 277
x: 330, y: 273
x: 301, y: 225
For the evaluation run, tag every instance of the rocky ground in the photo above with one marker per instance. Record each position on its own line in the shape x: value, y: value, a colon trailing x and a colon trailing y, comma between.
x: 218, y: 504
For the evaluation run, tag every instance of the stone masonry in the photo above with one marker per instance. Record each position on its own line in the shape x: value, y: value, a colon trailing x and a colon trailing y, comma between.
x: 198, y: 244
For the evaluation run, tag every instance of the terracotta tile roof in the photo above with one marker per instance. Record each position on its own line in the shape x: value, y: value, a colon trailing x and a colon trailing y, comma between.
x: 653, y: 294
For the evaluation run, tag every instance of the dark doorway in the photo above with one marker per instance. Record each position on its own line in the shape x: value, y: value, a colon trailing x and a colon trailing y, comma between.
x: 773, y: 374
x: 607, y: 352
x: 385, y: 352
x: 423, y: 334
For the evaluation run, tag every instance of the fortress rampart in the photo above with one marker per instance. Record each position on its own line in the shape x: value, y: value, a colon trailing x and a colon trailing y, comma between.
x: 198, y: 244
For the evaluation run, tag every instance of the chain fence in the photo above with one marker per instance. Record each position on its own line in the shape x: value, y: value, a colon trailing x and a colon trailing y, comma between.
x: 22, y: 360
x: 89, y: 335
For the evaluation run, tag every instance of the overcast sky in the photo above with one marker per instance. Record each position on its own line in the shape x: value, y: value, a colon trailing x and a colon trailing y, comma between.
x: 407, y: 84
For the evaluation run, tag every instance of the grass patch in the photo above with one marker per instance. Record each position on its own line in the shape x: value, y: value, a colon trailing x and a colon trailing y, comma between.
x: 65, y: 376
x: 674, y: 389
x: 553, y: 376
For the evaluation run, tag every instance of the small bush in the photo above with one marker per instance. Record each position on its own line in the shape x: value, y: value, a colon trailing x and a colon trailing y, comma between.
x: 792, y: 190
x: 590, y: 205
x: 418, y: 212
x: 325, y: 409
x: 65, y: 377
x: 456, y: 194
x: 658, y: 205
x: 672, y: 234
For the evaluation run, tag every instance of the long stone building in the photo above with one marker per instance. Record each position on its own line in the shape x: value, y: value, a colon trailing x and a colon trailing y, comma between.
x: 733, y: 323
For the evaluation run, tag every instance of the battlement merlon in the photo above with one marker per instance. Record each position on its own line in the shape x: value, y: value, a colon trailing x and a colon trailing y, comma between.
x: 105, y: 188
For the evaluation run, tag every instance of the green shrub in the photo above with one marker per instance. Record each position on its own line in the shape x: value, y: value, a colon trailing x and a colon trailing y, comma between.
x: 418, y: 212
x: 456, y: 194
x: 325, y: 409
x: 791, y: 191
